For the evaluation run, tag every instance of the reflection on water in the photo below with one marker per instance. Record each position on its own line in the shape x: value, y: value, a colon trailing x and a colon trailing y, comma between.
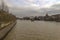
x: 37, y: 30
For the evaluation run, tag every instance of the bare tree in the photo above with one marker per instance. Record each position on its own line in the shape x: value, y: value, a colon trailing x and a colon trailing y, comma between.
x: 4, y: 7
x: 2, y: 4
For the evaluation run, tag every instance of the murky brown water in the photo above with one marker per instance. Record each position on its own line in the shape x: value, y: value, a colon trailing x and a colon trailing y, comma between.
x: 38, y: 30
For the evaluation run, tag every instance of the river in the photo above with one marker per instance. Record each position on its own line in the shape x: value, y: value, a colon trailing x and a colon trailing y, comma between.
x: 37, y: 30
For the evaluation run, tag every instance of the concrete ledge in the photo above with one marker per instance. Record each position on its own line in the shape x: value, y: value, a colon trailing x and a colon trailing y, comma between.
x: 4, y: 31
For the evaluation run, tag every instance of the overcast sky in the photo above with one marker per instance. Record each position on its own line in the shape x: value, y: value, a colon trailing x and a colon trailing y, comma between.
x: 31, y: 3
x: 28, y: 7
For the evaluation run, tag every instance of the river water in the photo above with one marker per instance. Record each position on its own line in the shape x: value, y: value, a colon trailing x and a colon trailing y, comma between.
x: 37, y: 30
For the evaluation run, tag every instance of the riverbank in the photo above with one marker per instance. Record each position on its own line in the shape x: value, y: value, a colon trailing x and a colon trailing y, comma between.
x: 6, y: 18
x: 7, y: 22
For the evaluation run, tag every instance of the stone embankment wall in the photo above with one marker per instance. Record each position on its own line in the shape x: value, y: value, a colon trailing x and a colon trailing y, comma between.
x: 5, y: 30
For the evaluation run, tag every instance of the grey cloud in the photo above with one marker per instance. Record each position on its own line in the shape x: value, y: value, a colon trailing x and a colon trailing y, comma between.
x: 32, y: 12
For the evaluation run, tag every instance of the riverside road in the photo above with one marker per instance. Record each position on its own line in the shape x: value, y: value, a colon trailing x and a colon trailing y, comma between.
x: 37, y: 30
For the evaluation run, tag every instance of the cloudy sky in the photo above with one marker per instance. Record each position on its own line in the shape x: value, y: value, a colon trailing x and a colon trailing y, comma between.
x: 31, y: 3
x: 33, y: 7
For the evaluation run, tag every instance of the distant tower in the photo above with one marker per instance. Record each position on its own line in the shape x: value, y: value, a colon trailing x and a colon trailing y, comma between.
x: 47, y: 15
